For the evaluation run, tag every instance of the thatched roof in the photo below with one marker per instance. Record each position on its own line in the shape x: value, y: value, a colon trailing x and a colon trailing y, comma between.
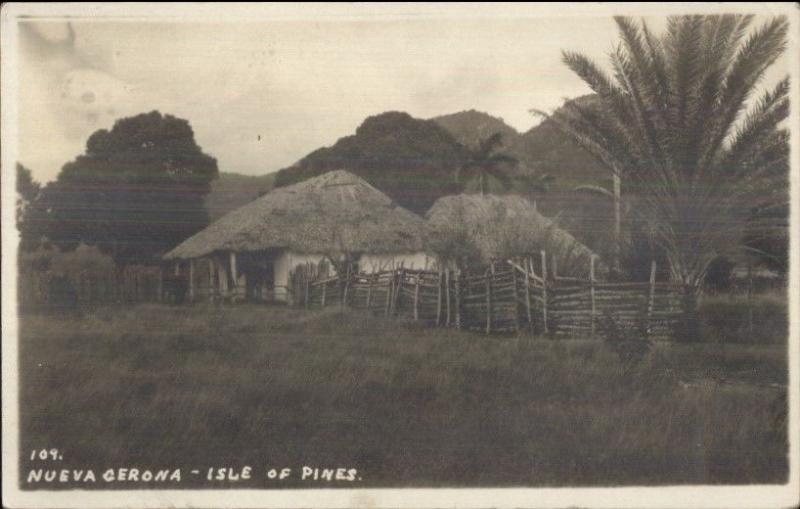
x: 503, y: 226
x: 332, y: 213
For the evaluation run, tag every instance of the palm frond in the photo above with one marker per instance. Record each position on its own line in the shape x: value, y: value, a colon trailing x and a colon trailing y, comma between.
x: 758, y: 52
x: 613, y: 97
x: 500, y: 175
x: 594, y: 190
x: 769, y: 112
x: 628, y: 75
x: 587, y: 139
x: 499, y: 159
x: 488, y: 145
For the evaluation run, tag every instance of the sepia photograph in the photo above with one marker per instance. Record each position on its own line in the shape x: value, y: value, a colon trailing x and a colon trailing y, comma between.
x: 403, y: 255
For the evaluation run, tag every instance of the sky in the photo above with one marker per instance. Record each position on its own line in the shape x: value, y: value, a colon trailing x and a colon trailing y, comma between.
x: 261, y: 95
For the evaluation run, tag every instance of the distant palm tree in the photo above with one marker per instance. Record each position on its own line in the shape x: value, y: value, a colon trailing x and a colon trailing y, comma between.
x: 486, y: 163
x: 534, y: 184
x: 674, y: 124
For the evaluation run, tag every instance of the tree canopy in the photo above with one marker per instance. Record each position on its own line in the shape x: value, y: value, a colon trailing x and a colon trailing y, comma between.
x: 136, y: 192
x: 27, y: 193
x: 409, y: 159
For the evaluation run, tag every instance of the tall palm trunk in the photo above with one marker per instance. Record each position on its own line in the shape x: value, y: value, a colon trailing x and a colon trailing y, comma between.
x: 617, y: 223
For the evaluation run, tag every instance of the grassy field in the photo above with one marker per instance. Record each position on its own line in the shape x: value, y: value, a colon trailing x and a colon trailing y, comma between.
x: 203, y: 386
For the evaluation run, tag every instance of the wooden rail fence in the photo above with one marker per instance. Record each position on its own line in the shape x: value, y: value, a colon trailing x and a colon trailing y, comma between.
x: 509, y: 297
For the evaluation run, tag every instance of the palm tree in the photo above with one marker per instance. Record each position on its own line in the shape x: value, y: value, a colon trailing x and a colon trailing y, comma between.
x: 534, y: 184
x: 486, y: 163
x: 675, y: 122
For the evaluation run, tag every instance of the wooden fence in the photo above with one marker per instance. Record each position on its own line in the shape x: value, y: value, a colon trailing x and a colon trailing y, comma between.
x: 48, y: 289
x: 515, y: 295
x: 589, y: 307
x: 510, y: 297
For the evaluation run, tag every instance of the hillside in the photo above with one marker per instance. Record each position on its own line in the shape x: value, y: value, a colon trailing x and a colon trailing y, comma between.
x: 542, y: 149
x: 232, y: 190
x: 411, y: 160
x: 545, y: 149
x: 471, y: 127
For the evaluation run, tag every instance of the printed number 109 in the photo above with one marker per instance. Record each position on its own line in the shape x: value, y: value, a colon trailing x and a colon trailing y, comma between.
x: 45, y: 454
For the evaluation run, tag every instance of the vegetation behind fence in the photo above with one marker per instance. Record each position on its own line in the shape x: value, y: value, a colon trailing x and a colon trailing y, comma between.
x: 54, y: 289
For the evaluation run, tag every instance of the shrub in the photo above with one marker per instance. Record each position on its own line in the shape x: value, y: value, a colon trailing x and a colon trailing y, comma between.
x: 719, y: 275
x: 732, y: 319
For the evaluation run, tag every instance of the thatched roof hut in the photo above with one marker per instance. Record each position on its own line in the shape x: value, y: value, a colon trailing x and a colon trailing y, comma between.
x: 500, y: 227
x: 321, y: 218
x: 335, y: 211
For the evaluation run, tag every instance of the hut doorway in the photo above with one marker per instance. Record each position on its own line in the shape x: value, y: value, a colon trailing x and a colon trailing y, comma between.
x: 259, y: 276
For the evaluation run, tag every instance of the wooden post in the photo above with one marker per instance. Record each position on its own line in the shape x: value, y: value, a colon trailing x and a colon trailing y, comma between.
x: 234, y: 274
x: 652, y: 295
x: 516, y: 296
x: 222, y: 276
x: 489, y: 280
x: 750, y: 296
x: 544, y: 293
x: 447, y: 294
x: 439, y: 300
x: 324, y: 288
x: 191, y: 280
x: 160, y: 283
x: 210, y: 281
x: 617, y: 222
x: 397, y: 282
x: 591, y: 293
x: 387, y: 305
x: 458, y: 298
x: 416, y: 298
x: 307, y: 282
x: 528, y: 295
x: 369, y: 289
x: 346, y: 286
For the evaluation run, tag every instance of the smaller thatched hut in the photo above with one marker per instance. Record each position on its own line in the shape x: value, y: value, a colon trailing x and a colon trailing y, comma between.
x: 482, y: 228
x: 329, y: 220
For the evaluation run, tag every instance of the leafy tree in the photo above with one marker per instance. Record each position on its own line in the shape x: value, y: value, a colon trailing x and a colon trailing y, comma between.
x: 27, y: 188
x: 136, y: 192
x: 676, y: 126
x: 409, y: 159
x: 486, y: 164
x: 27, y: 193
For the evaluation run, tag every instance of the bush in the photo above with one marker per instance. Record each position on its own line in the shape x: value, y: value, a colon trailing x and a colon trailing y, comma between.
x: 719, y: 275
x: 627, y: 341
x: 62, y: 293
x: 727, y: 319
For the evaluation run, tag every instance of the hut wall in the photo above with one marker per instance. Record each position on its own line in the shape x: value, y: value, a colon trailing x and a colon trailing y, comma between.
x: 285, y: 262
x: 371, y: 263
